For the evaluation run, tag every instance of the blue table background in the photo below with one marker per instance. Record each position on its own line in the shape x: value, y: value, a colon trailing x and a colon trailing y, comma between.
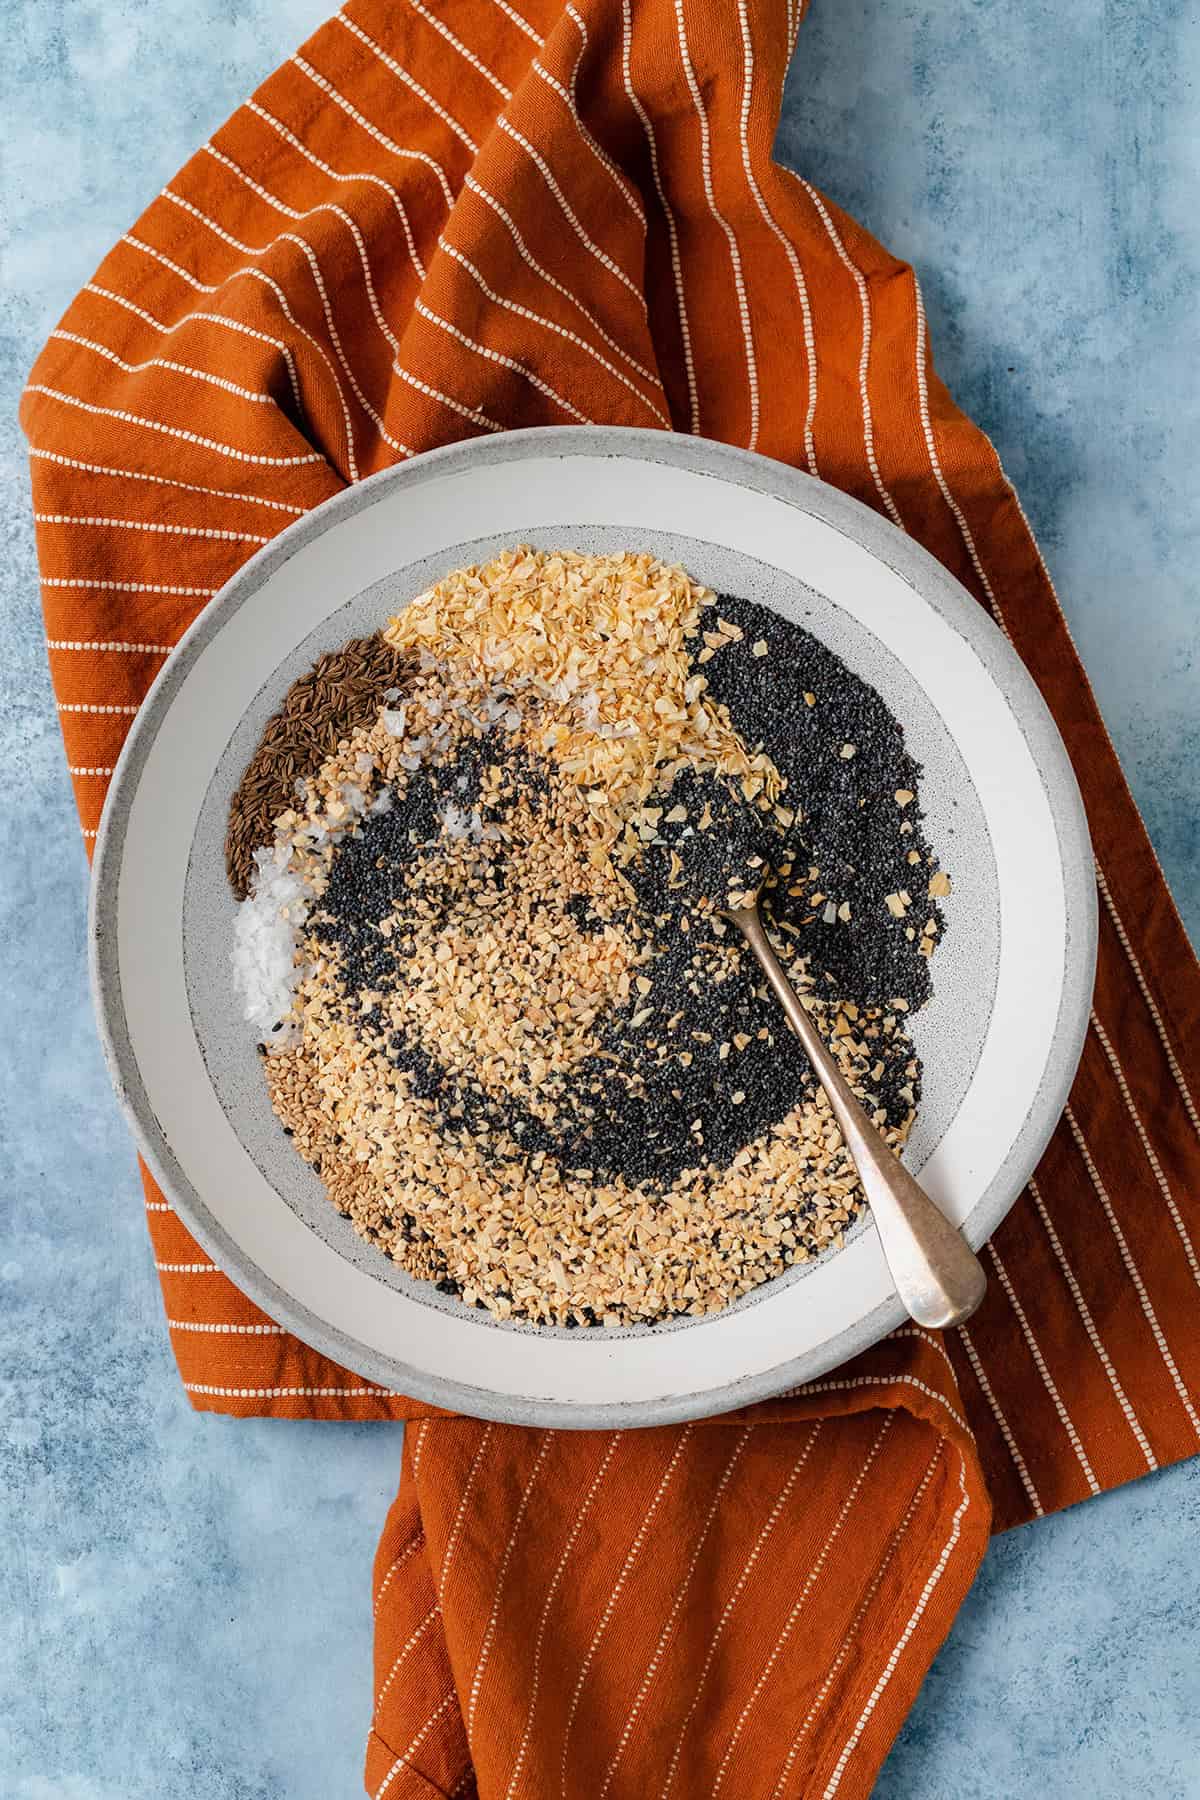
x: 184, y: 1604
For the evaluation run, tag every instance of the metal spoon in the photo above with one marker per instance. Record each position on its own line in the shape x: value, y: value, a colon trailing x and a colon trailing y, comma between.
x: 938, y: 1276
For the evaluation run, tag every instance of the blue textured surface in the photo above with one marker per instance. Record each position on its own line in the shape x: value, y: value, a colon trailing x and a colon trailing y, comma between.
x: 184, y: 1600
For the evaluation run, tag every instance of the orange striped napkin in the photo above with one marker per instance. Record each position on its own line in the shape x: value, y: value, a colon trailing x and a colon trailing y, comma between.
x: 449, y: 217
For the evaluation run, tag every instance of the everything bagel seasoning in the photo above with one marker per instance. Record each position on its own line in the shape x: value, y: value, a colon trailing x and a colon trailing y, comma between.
x: 482, y: 940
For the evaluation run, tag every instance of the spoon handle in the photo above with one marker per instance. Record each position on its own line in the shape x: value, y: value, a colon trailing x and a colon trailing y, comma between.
x: 938, y: 1276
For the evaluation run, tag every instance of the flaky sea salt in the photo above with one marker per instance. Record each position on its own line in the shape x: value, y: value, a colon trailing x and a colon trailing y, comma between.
x: 266, y: 930
x: 269, y: 923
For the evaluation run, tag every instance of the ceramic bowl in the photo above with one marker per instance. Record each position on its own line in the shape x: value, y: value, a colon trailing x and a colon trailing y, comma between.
x: 999, y: 1040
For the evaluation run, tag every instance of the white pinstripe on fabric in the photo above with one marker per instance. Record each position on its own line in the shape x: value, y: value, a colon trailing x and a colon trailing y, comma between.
x: 735, y: 256
x: 255, y: 397
x: 410, y: 82
x: 1089, y: 1325
x: 347, y: 177
x: 902, y: 1642
x: 490, y: 1629
x: 1144, y: 990
x: 610, y: 1604
x: 514, y: 306
x: 652, y: 1667
x: 473, y: 186
x: 809, y: 1583
x: 323, y: 206
x: 188, y: 487
x: 109, y: 644
x: 864, y: 360
x: 508, y: 362
x: 1131, y: 1269
x: 402, y: 1762
x: 100, y: 583
x: 83, y: 706
x: 456, y: 43
x: 672, y: 228
x: 410, y: 1549
x: 739, y: 1588
x: 196, y: 531
x: 1005, y: 1428
x: 810, y: 349
x: 552, y: 1589
x: 238, y: 326
x: 875, y: 1584
x: 457, y: 406
x: 857, y: 1381
x: 461, y: 1513
x: 217, y: 1329
x: 372, y: 296
x: 929, y: 1338
x: 261, y: 275
x: 597, y: 149
x: 593, y: 249
x: 1156, y: 1168
x: 310, y: 256
x: 518, y: 20
x: 173, y: 431
x: 1039, y: 1360
x: 409, y: 1646
x: 159, y: 256
x: 284, y: 1393
x: 381, y: 137
x: 568, y: 96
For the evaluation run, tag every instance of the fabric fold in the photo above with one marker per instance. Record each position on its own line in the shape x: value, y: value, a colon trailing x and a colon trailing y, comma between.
x: 446, y: 218
x: 744, y: 1605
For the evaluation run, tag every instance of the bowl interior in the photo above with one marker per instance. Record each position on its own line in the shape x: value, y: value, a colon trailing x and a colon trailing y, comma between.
x: 948, y: 1032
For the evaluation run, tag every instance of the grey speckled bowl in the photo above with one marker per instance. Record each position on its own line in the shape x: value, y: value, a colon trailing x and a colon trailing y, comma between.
x: 1000, y: 1039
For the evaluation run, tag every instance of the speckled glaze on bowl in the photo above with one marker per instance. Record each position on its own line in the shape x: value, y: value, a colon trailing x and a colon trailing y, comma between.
x: 1000, y: 1039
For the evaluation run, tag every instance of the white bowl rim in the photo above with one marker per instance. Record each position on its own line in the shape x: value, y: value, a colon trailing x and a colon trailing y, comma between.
x: 905, y: 557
